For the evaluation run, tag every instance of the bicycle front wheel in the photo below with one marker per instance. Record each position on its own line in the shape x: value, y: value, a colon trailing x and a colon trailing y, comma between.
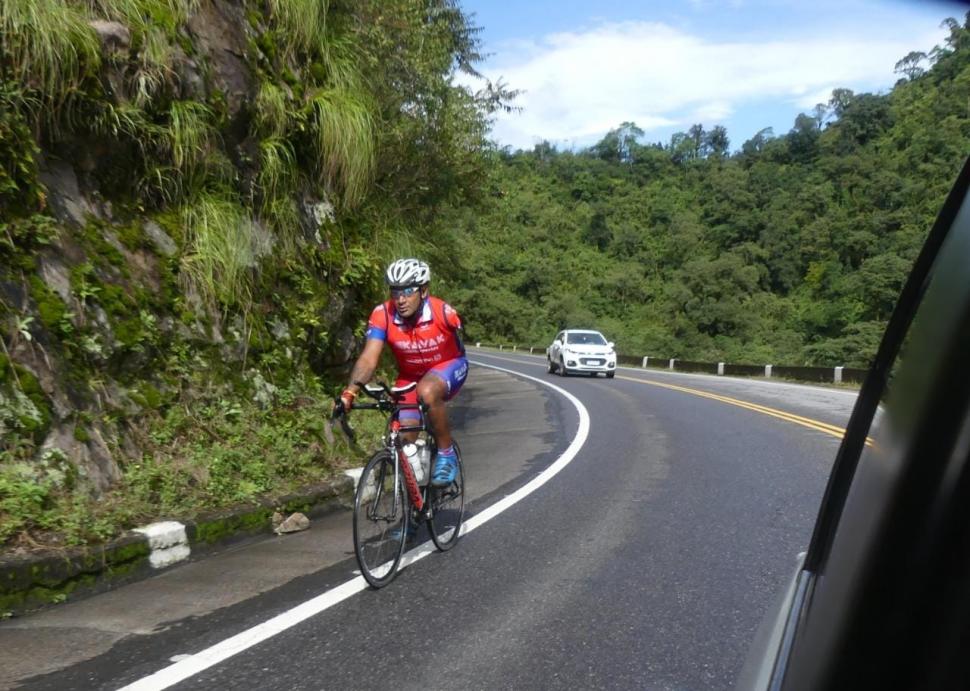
x: 381, y: 516
x: 447, y: 508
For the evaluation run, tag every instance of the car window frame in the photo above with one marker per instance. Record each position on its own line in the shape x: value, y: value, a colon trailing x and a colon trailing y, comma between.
x: 819, y: 644
x: 874, y: 386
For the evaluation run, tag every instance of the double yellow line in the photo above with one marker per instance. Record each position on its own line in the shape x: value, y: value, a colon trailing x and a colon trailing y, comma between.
x: 824, y: 427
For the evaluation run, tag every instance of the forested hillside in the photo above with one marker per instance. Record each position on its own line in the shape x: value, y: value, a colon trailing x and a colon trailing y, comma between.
x: 197, y: 198
x: 790, y: 250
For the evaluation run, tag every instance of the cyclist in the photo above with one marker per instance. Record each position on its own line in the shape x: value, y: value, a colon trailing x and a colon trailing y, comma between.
x: 423, y: 332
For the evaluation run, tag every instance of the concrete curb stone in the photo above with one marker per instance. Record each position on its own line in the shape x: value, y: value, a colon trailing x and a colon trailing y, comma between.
x: 34, y: 581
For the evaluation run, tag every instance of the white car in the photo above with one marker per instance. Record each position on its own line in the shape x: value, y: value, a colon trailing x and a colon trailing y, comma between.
x: 580, y: 350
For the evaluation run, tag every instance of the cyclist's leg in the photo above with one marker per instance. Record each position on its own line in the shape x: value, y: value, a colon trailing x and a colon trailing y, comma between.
x: 437, y: 386
x: 412, y: 416
x: 448, y: 503
x: 441, y: 383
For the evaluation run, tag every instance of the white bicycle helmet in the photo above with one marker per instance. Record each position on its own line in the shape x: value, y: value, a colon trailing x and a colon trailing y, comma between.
x: 407, y: 272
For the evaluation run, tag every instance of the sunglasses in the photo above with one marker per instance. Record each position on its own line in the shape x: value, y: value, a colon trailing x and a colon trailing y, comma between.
x: 405, y: 292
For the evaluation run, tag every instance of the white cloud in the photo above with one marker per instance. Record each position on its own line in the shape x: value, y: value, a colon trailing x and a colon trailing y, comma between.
x: 578, y: 85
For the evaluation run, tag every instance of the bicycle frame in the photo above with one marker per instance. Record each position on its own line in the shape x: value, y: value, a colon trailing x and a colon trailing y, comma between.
x: 386, y: 403
x: 401, y: 463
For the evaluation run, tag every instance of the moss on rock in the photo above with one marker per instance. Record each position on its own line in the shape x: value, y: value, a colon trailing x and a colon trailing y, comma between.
x: 212, y: 530
x: 50, y: 308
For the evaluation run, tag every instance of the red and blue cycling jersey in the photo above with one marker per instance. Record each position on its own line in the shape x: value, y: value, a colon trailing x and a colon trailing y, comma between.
x: 422, y: 344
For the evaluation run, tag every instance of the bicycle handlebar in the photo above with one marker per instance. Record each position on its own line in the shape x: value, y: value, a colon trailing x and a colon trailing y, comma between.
x: 339, y: 413
x: 382, y: 392
x: 386, y: 400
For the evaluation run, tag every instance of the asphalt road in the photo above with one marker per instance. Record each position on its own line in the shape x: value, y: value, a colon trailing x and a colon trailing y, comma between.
x: 647, y: 562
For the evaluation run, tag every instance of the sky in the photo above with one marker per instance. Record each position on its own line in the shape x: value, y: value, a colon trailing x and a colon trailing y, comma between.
x: 586, y: 66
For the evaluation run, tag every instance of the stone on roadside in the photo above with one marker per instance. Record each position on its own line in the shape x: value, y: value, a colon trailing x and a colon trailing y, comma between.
x: 293, y: 524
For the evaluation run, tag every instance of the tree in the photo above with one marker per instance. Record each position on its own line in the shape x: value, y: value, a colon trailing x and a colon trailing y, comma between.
x: 544, y: 151
x: 716, y: 292
x: 863, y: 118
x: 910, y: 65
x: 695, y: 136
x: 757, y: 143
x: 841, y: 98
x: 598, y: 233
x: 432, y: 130
x: 618, y: 145
x: 681, y: 148
x: 878, y: 282
x: 790, y: 242
x: 716, y: 142
x: 803, y: 138
x: 959, y: 38
x: 821, y: 114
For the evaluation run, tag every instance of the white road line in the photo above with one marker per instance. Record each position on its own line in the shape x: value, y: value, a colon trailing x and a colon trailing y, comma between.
x: 199, y: 662
x: 542, y: 478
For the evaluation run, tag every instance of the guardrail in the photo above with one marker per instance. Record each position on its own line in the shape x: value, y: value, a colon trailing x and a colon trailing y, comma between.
x: 835, y: 375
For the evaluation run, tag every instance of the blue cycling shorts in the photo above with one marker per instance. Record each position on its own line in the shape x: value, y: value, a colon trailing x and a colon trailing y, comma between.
x: 452, y: 372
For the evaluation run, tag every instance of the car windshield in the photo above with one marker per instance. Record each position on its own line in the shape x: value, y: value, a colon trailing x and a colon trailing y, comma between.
x: 586, y: 338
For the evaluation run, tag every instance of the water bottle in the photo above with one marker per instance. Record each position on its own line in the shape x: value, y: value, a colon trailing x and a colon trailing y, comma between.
x: 424, y: 455
x: 418, y: 456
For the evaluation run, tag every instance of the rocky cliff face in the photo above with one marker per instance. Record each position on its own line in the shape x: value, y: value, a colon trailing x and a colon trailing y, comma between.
x: 147, y: 260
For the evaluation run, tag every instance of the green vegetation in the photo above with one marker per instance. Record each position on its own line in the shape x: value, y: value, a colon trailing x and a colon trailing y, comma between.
x: 303, y: 22
x: 48, y: 43
x: 793, y: 250
x: 222, y: 249
x: 192, y: 316
x: 344, y: 143
x: 244, y: 450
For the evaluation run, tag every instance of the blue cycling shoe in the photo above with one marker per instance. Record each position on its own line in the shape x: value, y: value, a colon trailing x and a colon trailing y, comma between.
x: 445, y: 469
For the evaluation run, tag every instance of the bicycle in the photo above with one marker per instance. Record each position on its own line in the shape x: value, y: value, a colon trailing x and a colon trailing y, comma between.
x: 388, y: 496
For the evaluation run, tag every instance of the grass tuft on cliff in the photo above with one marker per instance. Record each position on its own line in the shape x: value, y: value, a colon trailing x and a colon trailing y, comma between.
x: 344, y: 137
x: 49, y: 45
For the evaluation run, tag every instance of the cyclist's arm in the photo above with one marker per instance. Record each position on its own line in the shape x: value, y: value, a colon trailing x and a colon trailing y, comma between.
x: 451, y: 317
x: 366, y: 364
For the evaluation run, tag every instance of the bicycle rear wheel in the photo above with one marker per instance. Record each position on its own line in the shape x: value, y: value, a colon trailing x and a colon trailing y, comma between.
x: 447, y: 508
x: 381, y: 516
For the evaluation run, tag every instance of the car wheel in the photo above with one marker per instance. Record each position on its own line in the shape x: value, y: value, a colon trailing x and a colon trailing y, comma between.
x: 551, y: 369
x: 610, y: 375
x: 562, y: 368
